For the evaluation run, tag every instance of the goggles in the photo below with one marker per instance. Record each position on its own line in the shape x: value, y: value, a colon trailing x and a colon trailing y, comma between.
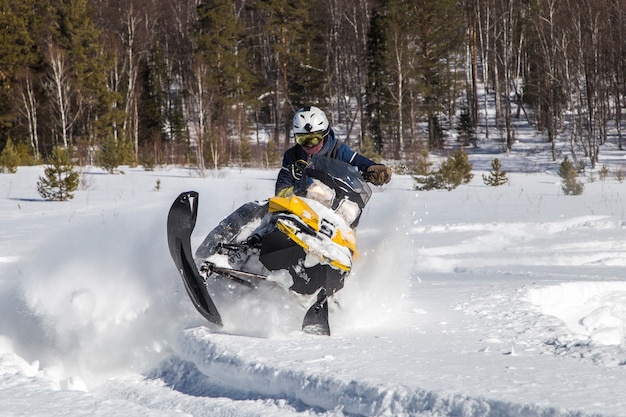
x: 309, y: 139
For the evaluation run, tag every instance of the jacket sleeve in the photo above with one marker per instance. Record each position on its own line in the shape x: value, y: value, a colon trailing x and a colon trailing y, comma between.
x: 353, y: 158
x: 285, y: 179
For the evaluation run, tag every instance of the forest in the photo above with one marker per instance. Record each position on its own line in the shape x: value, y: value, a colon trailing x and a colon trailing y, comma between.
x: 212, y: 83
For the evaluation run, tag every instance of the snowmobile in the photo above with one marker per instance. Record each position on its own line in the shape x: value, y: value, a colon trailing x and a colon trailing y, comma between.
x: 310, y: 234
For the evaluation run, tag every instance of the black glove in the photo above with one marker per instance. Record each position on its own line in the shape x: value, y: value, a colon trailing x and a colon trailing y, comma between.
x: 378, y: 174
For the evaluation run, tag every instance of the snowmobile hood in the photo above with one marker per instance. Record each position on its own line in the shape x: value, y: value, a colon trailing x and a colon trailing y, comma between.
x: 297, y: 206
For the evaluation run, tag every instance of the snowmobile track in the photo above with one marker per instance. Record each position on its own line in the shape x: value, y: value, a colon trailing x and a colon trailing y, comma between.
x: 225, y: 371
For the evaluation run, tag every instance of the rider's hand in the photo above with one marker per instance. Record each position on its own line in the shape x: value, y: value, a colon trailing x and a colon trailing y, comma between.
x: 378, y: 174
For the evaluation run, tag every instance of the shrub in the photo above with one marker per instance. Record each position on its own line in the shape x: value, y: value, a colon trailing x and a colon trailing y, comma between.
x: 9, y: 158
x: 115, y: 152
x: 245, y: 152
x: 272, y: 155
x: 569, y: 181
x: 60, y: 179
x: 454, y: 171
x: 111, y: 155
x: 422, y: 165
x: 465, y: 129
x: 496, y: 177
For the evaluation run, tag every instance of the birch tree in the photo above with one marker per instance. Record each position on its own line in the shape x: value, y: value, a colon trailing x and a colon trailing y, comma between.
x: 28, y: 108
x: 547, y: 81
x: 61, y: 91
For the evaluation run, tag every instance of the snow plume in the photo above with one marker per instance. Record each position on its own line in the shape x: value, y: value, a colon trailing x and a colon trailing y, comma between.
x: 267, y: 311
x: 102, y: 301
x: 376, y: 290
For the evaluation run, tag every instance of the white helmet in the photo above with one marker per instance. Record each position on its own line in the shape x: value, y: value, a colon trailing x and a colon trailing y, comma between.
x: 310, y: 119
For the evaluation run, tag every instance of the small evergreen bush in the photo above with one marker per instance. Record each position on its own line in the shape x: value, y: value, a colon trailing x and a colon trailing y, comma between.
x: 110, y: 156
x: 60, y: 179
x: 9, y: 158
x: 603, y: 173
x: 454, y: 171
x: 423, y: 166
x: 496, y: 177
x: 569, y: 178
x: 272, y: 155
x: 245, y: 152
x: 465, y: 129
x: 114, y: 153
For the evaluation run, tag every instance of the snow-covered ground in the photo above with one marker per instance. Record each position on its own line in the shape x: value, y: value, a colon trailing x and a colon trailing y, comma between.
x: 480, y: 302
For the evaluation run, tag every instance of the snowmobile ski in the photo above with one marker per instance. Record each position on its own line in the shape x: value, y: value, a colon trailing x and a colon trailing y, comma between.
x: 316, y: 318
x: 180, y: 223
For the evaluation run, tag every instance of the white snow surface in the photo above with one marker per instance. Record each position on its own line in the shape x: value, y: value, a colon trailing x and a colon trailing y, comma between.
x: 481, y: 302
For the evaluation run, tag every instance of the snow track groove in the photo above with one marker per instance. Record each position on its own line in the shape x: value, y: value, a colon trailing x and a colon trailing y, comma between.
x: 227, y: 371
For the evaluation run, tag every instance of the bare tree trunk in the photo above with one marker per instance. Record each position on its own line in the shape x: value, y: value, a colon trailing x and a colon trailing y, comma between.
x: 29, y: 110
x: 130, y: 122
x: 483, y: 19
x: 618, y: 11
x: 472, y: 59
x: 200, y: 105
x: 398, y: 94
x: 60, y: 90
x: 545, y: 26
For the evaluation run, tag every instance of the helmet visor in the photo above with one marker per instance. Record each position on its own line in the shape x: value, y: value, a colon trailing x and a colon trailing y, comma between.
x: 309, y: 139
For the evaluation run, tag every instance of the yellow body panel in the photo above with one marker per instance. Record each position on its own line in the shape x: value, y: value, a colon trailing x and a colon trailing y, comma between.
x: 293, y: 236
x: 348, y: 241
x: 297, y: 206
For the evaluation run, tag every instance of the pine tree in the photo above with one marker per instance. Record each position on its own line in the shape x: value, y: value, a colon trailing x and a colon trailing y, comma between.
x: 153, y: 96
x: 496, y: 177
x: 423, y: 165
x: 454, y: 171
x: 296, y: 40
x: 91, y: 63
x: 110, y: 155
x: 61, y: 179
x: 16, y: 47
x: 245, y: 153
x: 9, y: 158
x: 465, y: 129
x: 223, y: 78
x: 377, y: 98
x: 569, y: 182
x: 408, y: 52
x: 272, y: 155
x: 218, y: 36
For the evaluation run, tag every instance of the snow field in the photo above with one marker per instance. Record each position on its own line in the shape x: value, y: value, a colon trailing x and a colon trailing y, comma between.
x: 482, y: 302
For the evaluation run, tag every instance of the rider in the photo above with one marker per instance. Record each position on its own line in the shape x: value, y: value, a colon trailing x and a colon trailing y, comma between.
x: 314, y: 136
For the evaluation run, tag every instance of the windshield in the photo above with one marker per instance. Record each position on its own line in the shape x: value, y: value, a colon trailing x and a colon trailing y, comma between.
x: 342, y: 177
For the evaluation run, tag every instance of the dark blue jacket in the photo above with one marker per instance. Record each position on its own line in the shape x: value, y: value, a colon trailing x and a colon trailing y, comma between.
x: 332, y: 147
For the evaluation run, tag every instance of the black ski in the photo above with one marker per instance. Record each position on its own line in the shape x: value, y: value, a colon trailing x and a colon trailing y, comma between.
x: 316, y: 318
x: 180, y: 223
